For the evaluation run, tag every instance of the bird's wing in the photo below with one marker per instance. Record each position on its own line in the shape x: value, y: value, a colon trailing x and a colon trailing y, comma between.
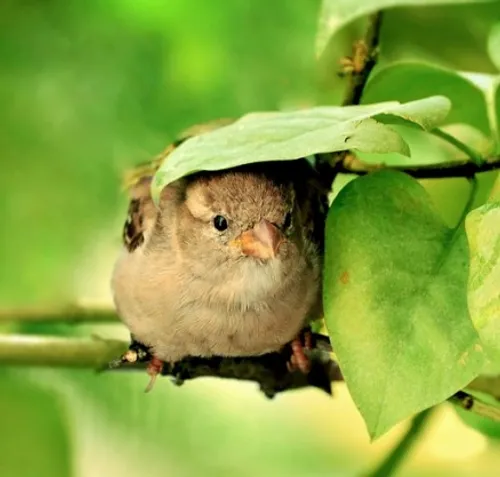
x: 141, y: 213
x: 313, y: 200
x: 314, y: 211
x: 319, y: 210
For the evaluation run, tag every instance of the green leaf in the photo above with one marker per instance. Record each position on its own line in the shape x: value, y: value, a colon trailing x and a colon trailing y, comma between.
x: 335, y: 14
x: 407, y: 81
x: 436, y: 33
x: 395, y: 299
x: 428, y: 149
x: 495, y: 109
x: 494, y: 45
x: 427, y: 113
x: 483, y: 233
x: 272, y: 136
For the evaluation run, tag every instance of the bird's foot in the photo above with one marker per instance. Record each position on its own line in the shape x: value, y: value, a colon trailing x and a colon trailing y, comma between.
x: 299, y: 359
x: 140, y: 353
x: 155, y: 367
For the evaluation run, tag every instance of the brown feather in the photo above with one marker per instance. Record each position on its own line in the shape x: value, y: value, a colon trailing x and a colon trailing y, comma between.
x: 141, y: 210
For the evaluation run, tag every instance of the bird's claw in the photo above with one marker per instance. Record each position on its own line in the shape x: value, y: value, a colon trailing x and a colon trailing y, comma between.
x: 155, y: 367
x: 299, y: 359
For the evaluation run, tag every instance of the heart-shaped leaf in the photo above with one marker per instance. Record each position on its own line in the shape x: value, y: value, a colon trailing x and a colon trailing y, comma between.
x: 483, y: 233
x: 395, y: 299
x: 335, y: 14
x: 260, y: 137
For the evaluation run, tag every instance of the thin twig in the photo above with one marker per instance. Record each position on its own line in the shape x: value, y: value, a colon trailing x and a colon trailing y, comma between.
x: 361, y: 64
x: 470, y: 201
x: 392, y: 462
x: 475, y: 405
x: 462, y: 168
x: 68, y: 314
x: 364, y: 60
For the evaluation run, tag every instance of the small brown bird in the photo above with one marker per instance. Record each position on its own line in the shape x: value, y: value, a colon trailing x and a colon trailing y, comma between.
x: 228, y: 264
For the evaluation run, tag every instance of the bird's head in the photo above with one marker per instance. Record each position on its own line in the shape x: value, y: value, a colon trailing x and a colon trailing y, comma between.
x: 246, y: 214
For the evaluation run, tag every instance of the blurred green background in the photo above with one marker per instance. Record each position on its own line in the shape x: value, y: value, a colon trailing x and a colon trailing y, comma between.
x: 88, y: 89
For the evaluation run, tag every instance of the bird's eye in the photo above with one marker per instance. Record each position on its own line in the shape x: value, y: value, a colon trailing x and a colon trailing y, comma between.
x: 288, y: 220
x: 220, y: 223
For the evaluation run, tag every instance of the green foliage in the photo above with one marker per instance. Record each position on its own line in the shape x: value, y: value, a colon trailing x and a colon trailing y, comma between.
x: 336, y: 14
x: 395, y: 299
x: 494, y: 45
x: 34, y: 438
x: 261, y: 137
x: 89, y: 89
x: 178, y: 431
x: 410, y: 81
x: 494, y: 94
x: 484, y: 425
x: 483, y: 233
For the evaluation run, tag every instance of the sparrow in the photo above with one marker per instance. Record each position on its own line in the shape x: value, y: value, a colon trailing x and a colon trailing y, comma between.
x: 228, y: 263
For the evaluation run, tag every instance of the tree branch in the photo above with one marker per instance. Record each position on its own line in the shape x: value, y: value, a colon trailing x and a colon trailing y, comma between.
x: 392, y: 462
x: 364, y: 58
x: 358, y: 69
x: 269, y: 370
x: 30, y: 350
x: 462, y: 168
x: 476, y: 405
x: 68, y: 314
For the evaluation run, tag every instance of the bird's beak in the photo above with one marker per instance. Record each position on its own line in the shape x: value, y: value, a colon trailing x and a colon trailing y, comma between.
x: 262, y: 241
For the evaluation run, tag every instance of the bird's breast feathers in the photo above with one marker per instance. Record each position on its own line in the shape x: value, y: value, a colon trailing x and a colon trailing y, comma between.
x: 250, y: 310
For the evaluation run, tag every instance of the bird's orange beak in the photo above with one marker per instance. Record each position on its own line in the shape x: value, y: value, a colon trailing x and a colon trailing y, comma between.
x: 262, y: 241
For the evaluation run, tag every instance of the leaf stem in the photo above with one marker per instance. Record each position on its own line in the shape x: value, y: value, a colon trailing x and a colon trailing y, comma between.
x: 392, y: 462
x: 470, y: 201
x: 473, y: 155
